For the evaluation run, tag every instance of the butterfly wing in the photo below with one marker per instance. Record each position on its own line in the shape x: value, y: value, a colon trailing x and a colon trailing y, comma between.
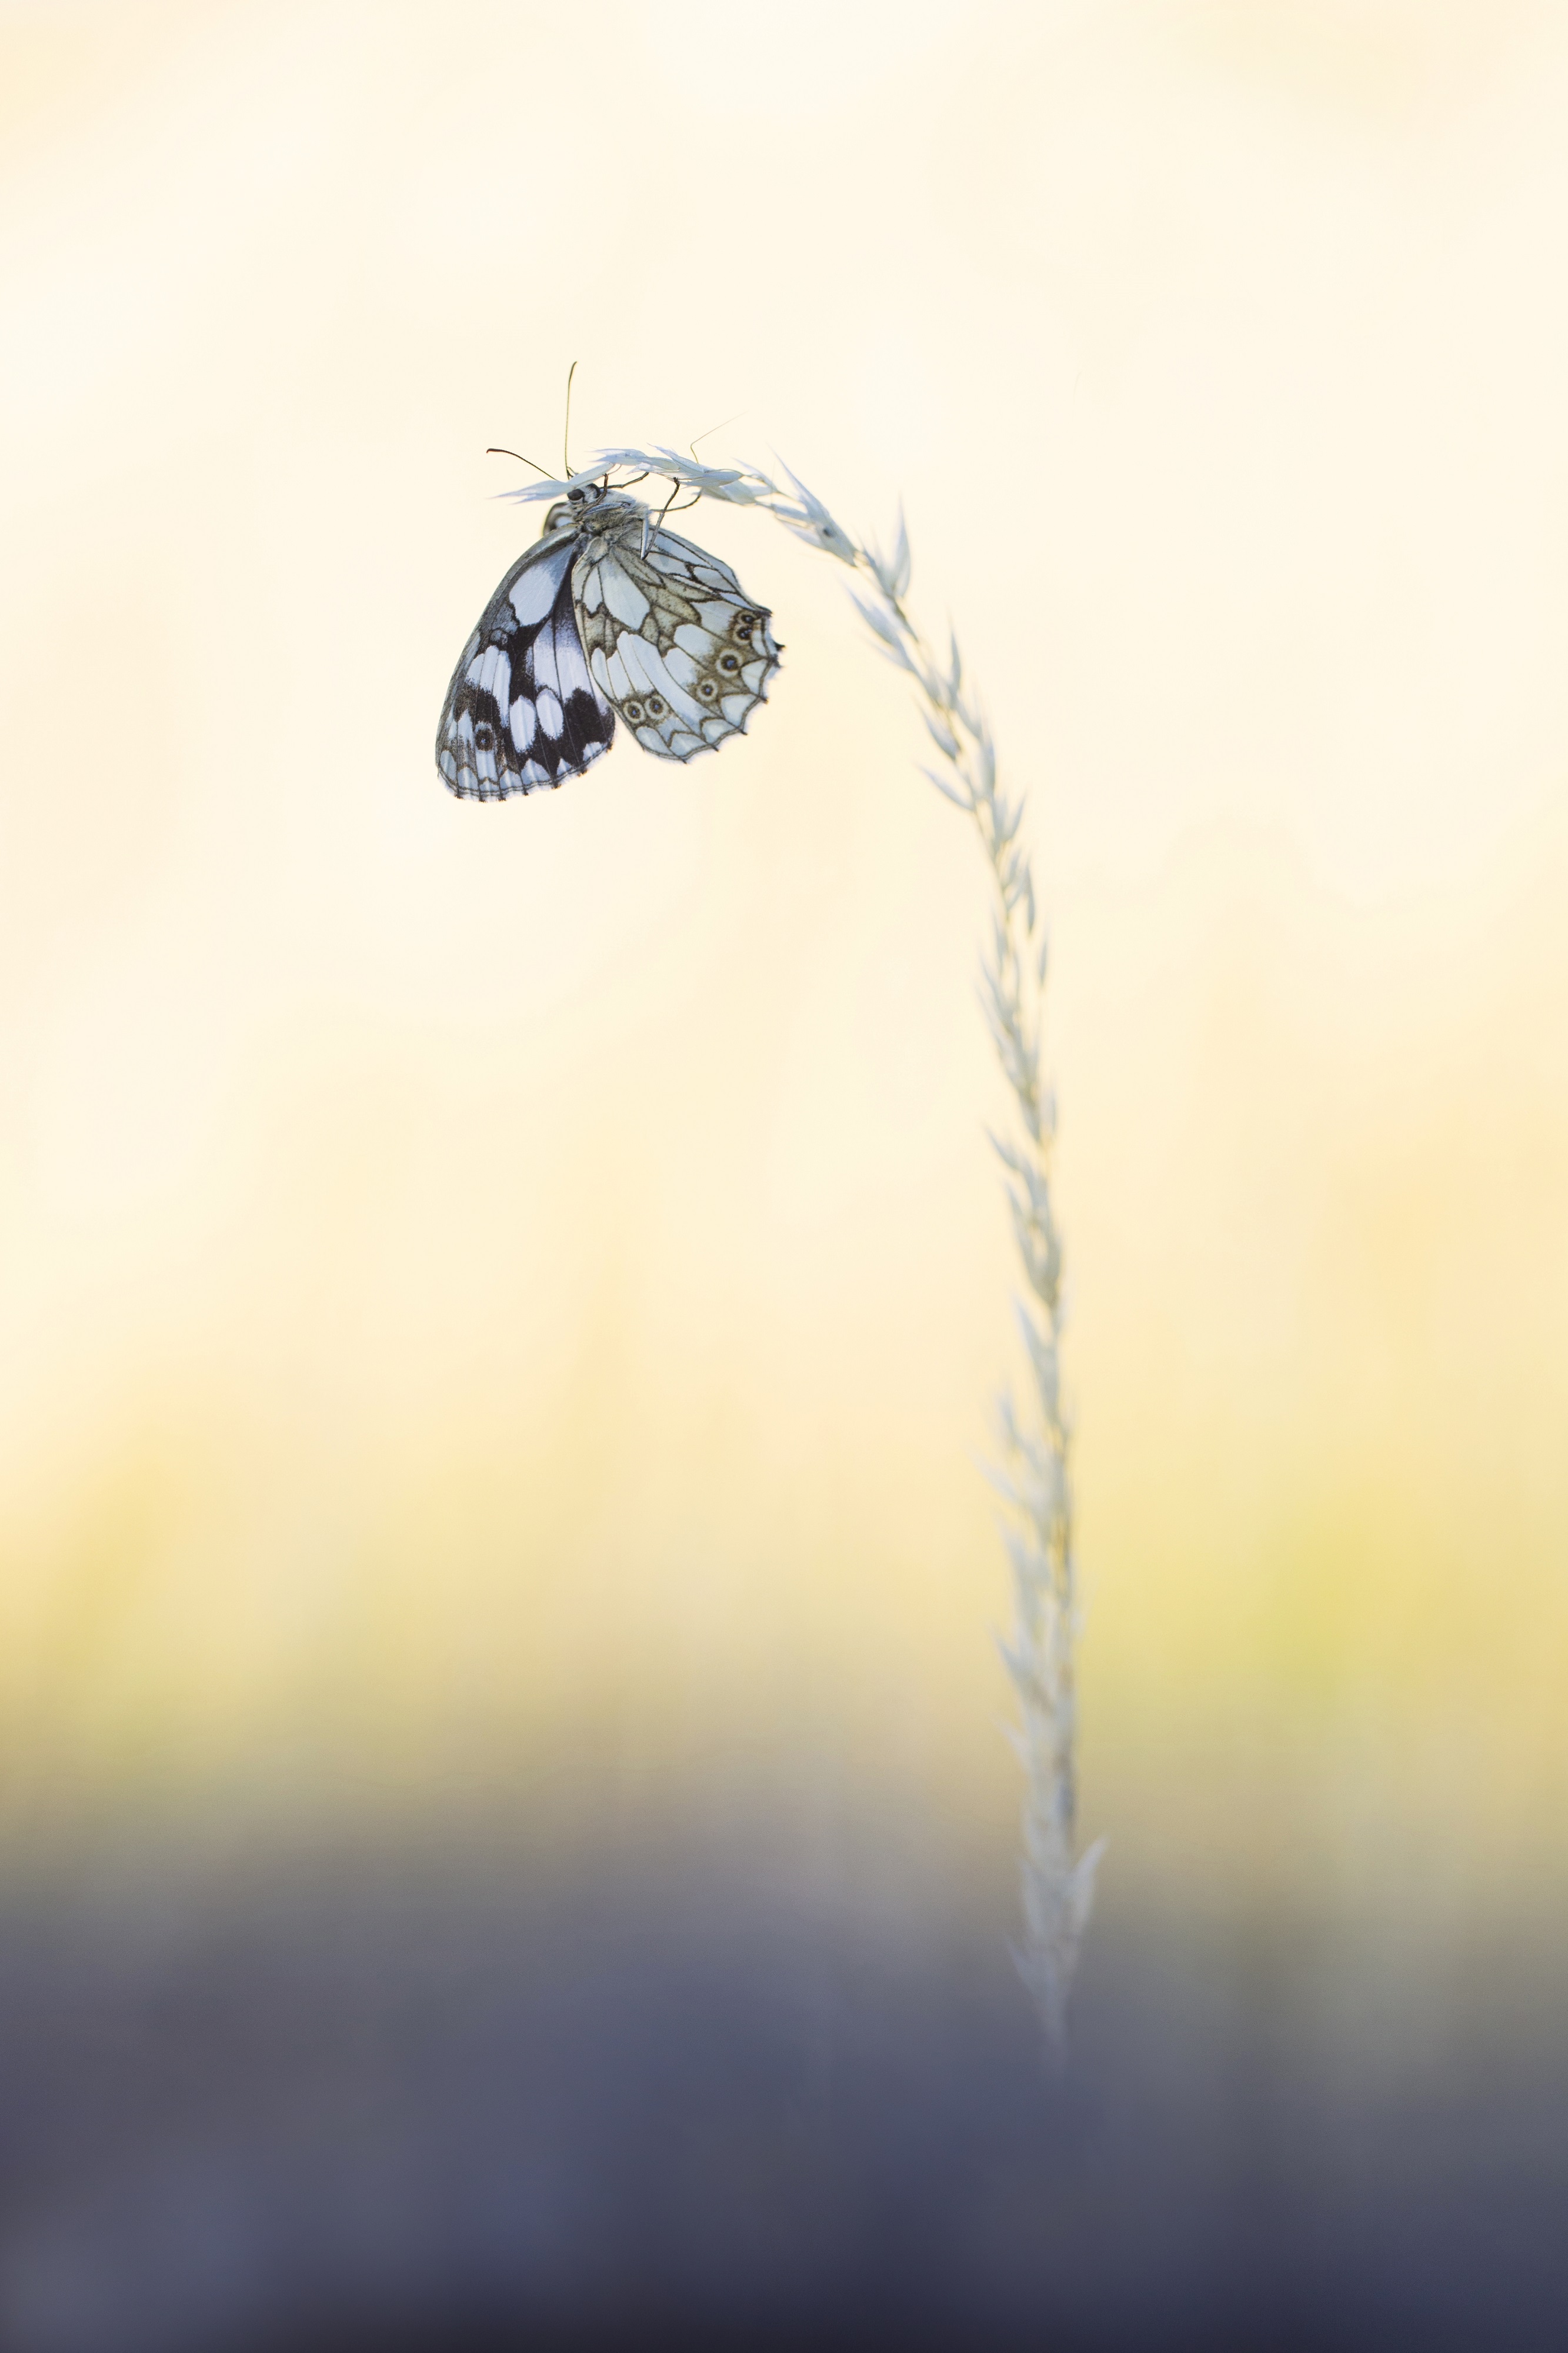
x: 522, y: 710
x: 673, y: 641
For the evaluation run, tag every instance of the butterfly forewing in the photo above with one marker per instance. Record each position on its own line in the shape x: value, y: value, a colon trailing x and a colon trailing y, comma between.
x: 522, y: 712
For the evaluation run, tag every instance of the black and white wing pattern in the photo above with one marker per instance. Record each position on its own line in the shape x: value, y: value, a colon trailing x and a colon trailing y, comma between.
x: 673, y: 641
x: 522, y: 710
x: 605, y: 613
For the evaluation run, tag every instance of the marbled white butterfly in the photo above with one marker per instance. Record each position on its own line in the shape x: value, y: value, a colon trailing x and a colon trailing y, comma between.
x: 608, y: 612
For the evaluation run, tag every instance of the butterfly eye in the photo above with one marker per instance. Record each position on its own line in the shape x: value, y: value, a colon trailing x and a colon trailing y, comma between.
x: 633, y: 711
x: 730, y: 664
x: 576, y: 497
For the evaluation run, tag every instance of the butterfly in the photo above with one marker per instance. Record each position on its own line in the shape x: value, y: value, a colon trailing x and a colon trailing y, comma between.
x: 608, y: 612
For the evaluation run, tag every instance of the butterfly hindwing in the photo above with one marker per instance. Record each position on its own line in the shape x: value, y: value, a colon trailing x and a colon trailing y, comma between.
x: 522, y: 710
x: 672, y: 639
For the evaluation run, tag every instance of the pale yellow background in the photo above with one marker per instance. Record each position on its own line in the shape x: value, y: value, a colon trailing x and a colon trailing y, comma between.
x: 516, y: 1290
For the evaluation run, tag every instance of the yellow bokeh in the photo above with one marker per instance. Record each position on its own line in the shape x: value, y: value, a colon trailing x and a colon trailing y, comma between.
x: 486, y: 1287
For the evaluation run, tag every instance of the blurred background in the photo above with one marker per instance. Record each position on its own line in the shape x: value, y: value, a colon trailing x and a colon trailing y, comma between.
x: 504, y: 1824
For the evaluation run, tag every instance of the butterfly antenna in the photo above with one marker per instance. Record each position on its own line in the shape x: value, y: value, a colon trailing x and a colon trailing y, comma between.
x: 566, y: 436
x: 520, y: 458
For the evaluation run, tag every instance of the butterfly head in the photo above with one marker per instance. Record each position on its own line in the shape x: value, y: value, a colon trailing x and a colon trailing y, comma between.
x: 591, y: 506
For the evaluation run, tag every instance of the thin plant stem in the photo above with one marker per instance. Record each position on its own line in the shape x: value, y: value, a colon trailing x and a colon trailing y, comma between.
x: 1057, y: 1881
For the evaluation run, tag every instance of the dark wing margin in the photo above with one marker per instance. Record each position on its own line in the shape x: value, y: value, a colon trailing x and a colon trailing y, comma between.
x: 522, y: 712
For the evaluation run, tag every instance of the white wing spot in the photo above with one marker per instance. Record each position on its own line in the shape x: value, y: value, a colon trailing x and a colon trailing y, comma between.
x: 570, y: 662
x: 545, y: 669
x: 533, y: 590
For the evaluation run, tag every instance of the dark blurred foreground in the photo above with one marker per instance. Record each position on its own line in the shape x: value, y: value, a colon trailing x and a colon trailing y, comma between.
x: 358, y: 2102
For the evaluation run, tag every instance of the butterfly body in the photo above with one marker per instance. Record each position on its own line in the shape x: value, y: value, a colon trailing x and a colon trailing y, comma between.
x: 607, y: 613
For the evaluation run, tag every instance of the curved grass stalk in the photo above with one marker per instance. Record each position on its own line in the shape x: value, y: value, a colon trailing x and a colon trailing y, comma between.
x: 1056, y: 1881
